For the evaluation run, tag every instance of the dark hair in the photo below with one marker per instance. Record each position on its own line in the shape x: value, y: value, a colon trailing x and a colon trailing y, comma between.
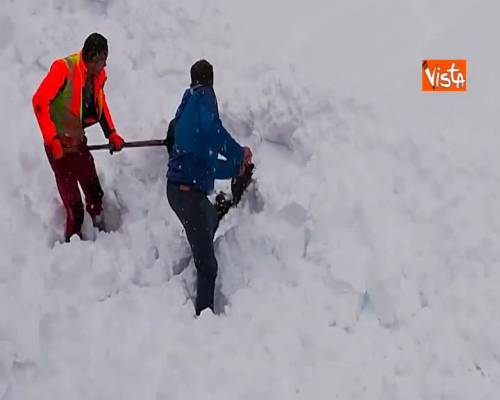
x: 94, y: 45
x: 202, y: 73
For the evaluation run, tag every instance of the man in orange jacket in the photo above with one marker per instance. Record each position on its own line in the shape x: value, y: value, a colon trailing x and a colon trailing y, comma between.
x: 69, y: 99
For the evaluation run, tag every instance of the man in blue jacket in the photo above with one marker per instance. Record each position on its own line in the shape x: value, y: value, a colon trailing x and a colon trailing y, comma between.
x: 194, y: 163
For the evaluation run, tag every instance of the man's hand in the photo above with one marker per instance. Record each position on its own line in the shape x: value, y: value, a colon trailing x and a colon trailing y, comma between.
x: 247, y: 159
x: 115, y: 141
x: 247, y: 155
x: 56, y: 148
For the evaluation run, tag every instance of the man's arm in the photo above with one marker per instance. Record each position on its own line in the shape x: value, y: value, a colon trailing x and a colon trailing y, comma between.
x: 107, y: 125
x: 221, y: 140
x: 229, y: 147
x: 233, y: 153
x: 46, y: 92
x: 106, y: 122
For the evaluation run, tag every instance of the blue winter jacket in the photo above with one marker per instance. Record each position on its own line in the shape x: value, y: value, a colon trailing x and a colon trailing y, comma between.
x: 199, y: 138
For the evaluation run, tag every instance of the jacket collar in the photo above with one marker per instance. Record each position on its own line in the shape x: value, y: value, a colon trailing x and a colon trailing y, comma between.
x: 192, y: 89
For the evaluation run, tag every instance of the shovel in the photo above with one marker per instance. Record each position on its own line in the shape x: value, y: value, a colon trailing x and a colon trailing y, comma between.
x: 139, y: 143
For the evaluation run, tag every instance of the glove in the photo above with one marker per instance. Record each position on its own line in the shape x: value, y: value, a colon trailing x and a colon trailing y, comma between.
x: 247, y: 155
x: 247, y: 159
x: 115, y: 141
x: 56, y: 148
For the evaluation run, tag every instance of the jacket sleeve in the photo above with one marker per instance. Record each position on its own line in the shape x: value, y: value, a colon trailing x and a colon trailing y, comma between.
x: 221, y: 140
x: 229, y: 147
x: 225, y: 169
x: 232, y: 151
x: 46, y: 92
x: 106, y: 121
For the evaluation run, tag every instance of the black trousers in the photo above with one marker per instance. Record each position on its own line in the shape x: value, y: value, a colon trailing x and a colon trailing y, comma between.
x: 199, y: 218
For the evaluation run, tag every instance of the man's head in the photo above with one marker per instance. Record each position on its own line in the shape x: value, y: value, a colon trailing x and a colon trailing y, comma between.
x: 95, y: 53
x: 202, y: 73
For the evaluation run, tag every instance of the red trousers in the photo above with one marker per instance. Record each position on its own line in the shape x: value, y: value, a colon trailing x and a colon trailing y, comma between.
x: 73, y: 169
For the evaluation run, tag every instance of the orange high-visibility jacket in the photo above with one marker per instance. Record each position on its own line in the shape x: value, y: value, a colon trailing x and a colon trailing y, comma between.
x: 58, y: 100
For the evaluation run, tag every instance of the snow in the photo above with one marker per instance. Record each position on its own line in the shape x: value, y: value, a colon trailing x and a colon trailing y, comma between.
x: 364, y: 265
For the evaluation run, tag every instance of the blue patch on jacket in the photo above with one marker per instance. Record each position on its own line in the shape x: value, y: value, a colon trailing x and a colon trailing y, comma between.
x: 199, y: 138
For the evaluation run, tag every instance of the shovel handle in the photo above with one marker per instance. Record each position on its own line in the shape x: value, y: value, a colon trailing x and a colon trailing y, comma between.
x: 139, y: 143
